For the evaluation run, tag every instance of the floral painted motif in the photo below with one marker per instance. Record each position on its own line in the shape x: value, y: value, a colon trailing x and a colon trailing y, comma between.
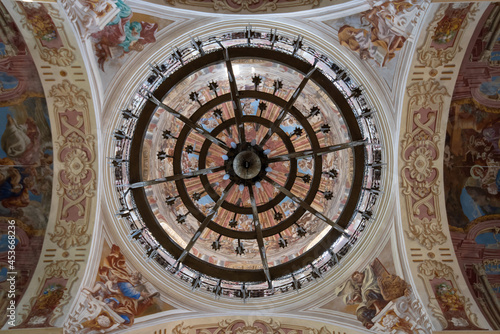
x: 419, y: 153
x: 420, y: 164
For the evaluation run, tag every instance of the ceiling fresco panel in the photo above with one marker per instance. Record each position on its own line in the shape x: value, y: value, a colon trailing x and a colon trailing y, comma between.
x: 124, y: 34
x: 380, y: 299
x: 63, y: 244
x: 379, y: 34
x: 471, y: 172
x: 26, y: 161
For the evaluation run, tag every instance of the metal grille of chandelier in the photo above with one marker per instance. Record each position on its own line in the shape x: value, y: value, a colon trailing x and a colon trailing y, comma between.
x: 247, y: 164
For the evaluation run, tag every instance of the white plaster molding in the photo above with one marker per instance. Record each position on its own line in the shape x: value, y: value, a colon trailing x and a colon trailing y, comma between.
x: 434, y: 251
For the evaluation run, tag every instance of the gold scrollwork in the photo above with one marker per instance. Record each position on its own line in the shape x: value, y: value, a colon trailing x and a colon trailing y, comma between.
x: 252, y: 6
x: 75, y: 150
x: 431, y: 269
x: 420, y: 151
x: 241, y: 326
x: 65, y: 269
x: 432, y: 57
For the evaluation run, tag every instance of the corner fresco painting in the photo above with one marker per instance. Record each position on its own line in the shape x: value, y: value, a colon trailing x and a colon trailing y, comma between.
x: 378, y: 34
x: 472, y: 167
x: 370, y: 290
x: 122, y: 35
x: 381, y: 300
x: 119, y: 295
x: 127, y: 33
x: 372, y: 37
x: 26, y: 168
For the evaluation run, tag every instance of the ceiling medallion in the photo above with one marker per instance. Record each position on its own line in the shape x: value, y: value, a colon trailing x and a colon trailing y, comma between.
x: 247, y: 164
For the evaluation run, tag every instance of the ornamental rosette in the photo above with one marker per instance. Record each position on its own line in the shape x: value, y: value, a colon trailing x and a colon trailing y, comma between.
x: 76, y: 166
x: 420, y: 164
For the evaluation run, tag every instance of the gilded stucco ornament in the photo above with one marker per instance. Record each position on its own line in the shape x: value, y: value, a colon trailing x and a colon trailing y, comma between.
x: 77, y: 166
x: 446, y: 301
x: 68, y: 96
x: 63, y: 269
x: 241, y: 326
x: 75, y: 150
x: 427, y: 232
x: 54, y: 48
x: 420, y: 152
x: 420, y: 164
x: 180, y: 329
x: 434, y: 52
x: 252, y: 6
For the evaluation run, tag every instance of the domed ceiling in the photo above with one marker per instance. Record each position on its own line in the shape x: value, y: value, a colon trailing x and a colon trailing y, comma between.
x: 201, y: 182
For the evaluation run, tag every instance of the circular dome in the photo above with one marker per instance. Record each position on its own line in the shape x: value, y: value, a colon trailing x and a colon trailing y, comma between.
x: 249, y: 164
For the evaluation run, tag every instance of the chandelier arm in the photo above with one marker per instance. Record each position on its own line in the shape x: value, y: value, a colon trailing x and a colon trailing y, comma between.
x: 176, y: 177
x: 315, y: 152
x: 199, y: 129
x: 205, y: 222
x: 235, y: 96
x: 284, y: 112
x: 307, y: 206
x: 260, y: 237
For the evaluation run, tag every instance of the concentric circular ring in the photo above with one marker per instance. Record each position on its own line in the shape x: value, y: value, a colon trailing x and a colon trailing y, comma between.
x: 248, y: 165
x: 194, y: 262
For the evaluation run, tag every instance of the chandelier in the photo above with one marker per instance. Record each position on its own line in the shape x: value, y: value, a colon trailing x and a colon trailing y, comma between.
x: 247, y: 164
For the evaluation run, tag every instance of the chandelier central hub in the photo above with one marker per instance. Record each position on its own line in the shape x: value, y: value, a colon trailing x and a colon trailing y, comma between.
x: 246, y: 163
